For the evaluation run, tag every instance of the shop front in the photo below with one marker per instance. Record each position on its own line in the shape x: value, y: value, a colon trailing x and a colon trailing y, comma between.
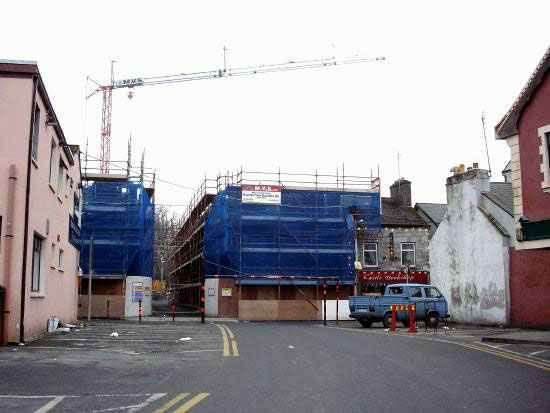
x: 374, y: 282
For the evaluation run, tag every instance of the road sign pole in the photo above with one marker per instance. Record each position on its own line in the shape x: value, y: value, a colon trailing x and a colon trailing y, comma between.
x: 203, y: 302
x: 90, y: 273
x: 325, y: 302
x: 337, y: 299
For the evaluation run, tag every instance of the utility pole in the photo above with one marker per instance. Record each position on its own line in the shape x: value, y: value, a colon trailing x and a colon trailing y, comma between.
x: 90, y: 273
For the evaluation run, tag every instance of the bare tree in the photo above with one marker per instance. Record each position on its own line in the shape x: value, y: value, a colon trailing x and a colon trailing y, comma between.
x: 167, y: 223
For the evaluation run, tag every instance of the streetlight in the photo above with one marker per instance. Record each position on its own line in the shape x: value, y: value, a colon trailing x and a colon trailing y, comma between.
x: 358, y: 267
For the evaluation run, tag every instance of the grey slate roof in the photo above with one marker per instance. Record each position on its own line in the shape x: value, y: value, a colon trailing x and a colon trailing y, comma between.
x: 395, y: 214
x: 502, y: 195
x: 436, y: 212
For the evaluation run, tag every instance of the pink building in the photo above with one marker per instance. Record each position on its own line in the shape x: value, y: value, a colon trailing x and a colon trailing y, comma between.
x: 39, y: 207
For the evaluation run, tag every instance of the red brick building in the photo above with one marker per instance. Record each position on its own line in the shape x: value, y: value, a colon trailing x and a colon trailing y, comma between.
x: 526, y: 130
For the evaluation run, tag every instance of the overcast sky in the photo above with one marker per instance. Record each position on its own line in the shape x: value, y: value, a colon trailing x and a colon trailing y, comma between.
x: 446, y: 62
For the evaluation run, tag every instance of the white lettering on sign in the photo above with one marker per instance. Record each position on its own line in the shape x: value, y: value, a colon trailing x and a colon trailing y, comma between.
x: 130, y: 82
x: 261, y: 194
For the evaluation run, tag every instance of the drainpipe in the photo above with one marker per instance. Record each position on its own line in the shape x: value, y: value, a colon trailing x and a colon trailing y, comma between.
x: 26, y: 229
x: 9, y: 238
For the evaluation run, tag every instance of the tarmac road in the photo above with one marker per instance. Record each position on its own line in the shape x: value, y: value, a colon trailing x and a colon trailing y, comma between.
x: 225, y: 366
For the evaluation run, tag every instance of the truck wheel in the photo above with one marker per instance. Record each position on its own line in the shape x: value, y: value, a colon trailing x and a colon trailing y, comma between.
x: 366, y: 323
x: 387, y: 320
x: 432, y: 320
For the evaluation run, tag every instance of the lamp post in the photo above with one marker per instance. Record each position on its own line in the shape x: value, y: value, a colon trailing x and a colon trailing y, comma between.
x: 358, y: 267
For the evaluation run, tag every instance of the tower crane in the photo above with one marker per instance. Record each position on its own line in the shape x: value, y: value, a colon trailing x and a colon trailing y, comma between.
x: 107, y: 90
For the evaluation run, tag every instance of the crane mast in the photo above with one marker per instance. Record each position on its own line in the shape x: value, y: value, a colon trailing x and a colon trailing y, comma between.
x: 107, y: 90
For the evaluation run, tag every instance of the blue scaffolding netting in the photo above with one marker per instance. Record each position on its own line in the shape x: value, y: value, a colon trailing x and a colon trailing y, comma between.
x: 121, y: 218
x: 311, y: 233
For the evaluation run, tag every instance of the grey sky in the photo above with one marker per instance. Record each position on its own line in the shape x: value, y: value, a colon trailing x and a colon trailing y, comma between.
x: 446, y: 63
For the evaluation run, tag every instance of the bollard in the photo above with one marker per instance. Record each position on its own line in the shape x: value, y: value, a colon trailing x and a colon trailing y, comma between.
x: 337, y: 299
x: 325, y: 302
x: 203, y: 301
x: 412, y: 329
x: 173, y: 311
x: 393, y: 317
x: 108, y: 308
x: 140, y: 311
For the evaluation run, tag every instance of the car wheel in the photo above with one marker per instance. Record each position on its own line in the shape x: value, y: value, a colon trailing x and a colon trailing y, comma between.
x: 366, y: 323
x: 387, y: 320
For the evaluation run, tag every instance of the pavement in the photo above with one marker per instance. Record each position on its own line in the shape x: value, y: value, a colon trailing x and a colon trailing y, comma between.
x: 229, y: 366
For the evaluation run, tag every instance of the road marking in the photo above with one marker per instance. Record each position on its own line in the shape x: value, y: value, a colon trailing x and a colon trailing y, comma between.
x: 231, y: 335
x: 225, y: 342
x: 50, y: 405
x: 537, y: 352
x: 511, y: 356
x: 498, y: 346
x: 233, y: 340
x: 134, y: 407
x: 235, y: 350
x: 190, y: 403
x: 170, y: 403
x: 502, y: 353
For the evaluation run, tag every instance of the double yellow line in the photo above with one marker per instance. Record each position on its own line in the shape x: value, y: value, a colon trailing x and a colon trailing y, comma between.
x: 225, y: 332
x: 185, y: 406
x: 512, y: 356
x: 505, y: 354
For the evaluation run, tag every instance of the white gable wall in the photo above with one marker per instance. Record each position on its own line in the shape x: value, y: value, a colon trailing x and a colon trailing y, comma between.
x: 469, y: 255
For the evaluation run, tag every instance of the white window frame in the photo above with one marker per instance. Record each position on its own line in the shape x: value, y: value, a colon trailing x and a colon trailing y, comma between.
x: 413, y: 250
x: 52, y: 161
x: 544, y: 150
x: 61, y: 179
x: 52, y: 264
x: 375, y: 250
x: 36, y: 290
x: 35, y: 133
x: 61, y: 258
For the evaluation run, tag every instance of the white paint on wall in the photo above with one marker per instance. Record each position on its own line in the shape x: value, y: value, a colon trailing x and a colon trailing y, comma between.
x: 132, y: 307
x: 343, y: 310
x: 211, y: 295
x: 469, y: 255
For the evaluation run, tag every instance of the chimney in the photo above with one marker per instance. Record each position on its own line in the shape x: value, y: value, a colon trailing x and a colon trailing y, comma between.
x: 401, y: 191
x: 464, y: 189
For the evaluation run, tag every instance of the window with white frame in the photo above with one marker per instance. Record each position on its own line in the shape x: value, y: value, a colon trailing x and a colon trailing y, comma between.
x: 544, y: 150
x: 52, y: 161
x: 54, y: 257
x: 36, y: 263
x: 61, y: 178
x: 370, y: 254
x: 60, y: 263
x: 35, y: 133
x: 408, y: 254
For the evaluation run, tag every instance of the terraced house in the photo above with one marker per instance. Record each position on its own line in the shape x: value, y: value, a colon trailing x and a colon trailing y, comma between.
x: 39, y: 207
x: 526, y: 130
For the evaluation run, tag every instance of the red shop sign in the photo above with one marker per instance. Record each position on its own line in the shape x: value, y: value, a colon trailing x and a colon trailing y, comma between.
x: 393, y: 277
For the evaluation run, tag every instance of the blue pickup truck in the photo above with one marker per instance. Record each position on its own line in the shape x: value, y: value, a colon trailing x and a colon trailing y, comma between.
x: 430, y: 305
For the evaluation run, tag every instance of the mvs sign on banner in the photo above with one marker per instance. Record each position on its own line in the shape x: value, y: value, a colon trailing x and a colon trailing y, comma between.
x: 261, y: 194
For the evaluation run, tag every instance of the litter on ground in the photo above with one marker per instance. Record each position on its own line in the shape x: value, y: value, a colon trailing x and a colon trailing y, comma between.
x: 115, y: 334
x: 185, y: 339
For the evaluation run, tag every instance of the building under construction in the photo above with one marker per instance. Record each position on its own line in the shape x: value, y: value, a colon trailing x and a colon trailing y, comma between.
x: 264, y: 244
x: 118, y: 213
